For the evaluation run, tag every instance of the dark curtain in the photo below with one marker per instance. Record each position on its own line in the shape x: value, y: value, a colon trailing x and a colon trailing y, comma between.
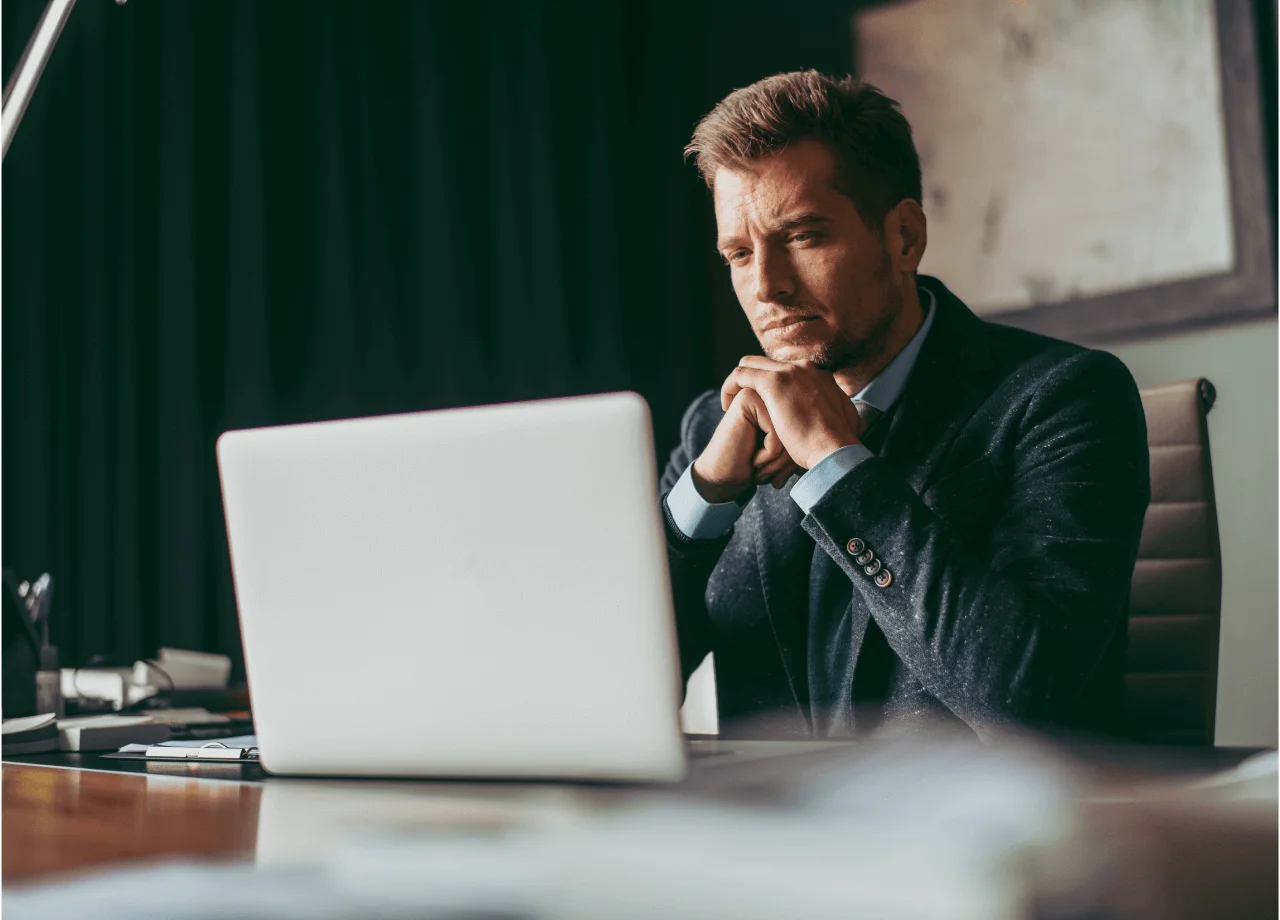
x: 223, y: 215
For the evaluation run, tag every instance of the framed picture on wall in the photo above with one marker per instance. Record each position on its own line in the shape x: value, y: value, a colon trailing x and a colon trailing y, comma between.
x: 1092, y: 171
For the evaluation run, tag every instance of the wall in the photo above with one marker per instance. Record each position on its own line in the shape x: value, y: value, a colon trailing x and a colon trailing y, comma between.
x: 1022, y: 114
x: 1241, y: 362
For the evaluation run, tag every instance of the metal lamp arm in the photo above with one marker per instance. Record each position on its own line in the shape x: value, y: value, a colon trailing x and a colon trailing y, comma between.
x: 23, y: 80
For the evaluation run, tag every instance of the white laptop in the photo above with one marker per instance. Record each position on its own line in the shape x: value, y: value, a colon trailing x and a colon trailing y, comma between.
x: 473, y: 592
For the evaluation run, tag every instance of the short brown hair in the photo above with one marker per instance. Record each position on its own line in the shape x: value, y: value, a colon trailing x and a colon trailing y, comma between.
x: 876, y: 161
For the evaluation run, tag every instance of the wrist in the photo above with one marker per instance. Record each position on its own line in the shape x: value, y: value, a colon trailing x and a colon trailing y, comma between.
x: 825, y: 449
x: 714, y: 492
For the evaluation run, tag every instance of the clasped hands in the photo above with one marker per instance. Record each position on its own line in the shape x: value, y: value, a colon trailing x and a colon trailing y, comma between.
x: 779, y: 419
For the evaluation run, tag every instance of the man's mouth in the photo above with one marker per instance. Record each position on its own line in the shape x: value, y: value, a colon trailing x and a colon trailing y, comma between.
x: 787, y: 324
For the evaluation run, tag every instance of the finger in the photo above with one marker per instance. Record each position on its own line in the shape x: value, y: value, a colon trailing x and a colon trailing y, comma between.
x: 728, y: 390
x: 762, y: 458
x: 761, y: 363
x: 783, y: 467
x: 770, y: 447
x: 781, y: 478
x: 762, y: 477
x: 844, y: 386
x: 753, y: 407
x: 772, y: 465
x: 770, y: 452
x: 752, y: 378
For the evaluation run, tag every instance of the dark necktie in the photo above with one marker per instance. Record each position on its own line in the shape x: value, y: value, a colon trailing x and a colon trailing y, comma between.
x: 868, y: 412
x: 873, y: 434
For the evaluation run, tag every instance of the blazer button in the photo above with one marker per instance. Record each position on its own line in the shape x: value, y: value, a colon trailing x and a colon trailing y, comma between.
x: 864, y: 558
x: 855, y: 546
x: 883, y: 579
x: 872, y: 567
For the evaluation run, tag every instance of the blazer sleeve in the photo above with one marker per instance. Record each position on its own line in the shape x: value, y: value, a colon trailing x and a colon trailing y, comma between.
x: 691, y: 561
x: 1011, y: 628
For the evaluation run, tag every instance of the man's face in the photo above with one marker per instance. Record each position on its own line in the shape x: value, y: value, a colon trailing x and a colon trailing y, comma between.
x: 814, y: 280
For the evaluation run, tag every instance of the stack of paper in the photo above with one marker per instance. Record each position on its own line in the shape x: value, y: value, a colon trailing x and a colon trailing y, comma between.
x: 30, y: 734
x: 107, y: 733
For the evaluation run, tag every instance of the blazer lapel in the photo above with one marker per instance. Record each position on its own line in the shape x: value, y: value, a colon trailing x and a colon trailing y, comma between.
x: 783, y: 555
x: 946, y: 387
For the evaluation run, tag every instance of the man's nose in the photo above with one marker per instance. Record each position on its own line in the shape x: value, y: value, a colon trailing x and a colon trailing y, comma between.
x: 774, y: 279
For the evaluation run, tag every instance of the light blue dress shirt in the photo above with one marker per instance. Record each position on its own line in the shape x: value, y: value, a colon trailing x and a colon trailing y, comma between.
x: 699, y: 519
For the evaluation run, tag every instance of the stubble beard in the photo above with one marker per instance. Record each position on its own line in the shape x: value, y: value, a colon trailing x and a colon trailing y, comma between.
x: 843, y: 352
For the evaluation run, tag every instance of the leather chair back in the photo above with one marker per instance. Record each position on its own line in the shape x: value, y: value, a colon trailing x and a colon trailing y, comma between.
x: 1171, y: 666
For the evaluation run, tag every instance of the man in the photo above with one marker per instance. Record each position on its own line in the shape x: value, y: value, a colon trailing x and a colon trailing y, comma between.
x: 955, y: 506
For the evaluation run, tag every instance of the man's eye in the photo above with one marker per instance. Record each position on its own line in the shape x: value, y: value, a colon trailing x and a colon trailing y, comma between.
x: 801, y: 237
x: 737, y: 256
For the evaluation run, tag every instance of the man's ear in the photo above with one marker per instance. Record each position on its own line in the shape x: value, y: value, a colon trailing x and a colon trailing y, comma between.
x: 906, y: 233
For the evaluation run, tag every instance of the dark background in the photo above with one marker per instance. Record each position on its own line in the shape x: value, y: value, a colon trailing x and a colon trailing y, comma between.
x: 223, y: 215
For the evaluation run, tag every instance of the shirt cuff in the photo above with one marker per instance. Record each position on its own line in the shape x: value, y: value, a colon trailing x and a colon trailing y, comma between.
x: 694, y: 516
x: 831, y: 469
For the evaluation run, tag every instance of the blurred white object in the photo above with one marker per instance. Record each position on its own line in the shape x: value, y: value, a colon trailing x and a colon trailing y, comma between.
x: 112, y: 685
x: 990, y: 831
x: 699, y: 715
x: 910, y: 831
x: 172, y: 669
x: 190, y: 670
x: 192, y: 891
x: 1253, y: 780
x: 309, y: 822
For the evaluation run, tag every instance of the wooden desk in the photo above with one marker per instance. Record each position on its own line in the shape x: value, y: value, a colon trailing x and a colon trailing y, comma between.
x: 57, y: 820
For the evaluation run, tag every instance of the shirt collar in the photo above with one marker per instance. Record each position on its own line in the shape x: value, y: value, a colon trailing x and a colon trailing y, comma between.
x: 883, y: 391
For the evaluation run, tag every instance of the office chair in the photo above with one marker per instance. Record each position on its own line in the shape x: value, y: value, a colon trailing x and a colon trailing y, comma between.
x: 1171, y: 667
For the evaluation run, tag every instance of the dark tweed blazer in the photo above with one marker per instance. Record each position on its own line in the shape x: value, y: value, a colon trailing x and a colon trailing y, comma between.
x: 1006, y: 503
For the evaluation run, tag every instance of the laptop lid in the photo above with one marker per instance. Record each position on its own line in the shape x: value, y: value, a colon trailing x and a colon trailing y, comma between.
x: 467, y: 592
